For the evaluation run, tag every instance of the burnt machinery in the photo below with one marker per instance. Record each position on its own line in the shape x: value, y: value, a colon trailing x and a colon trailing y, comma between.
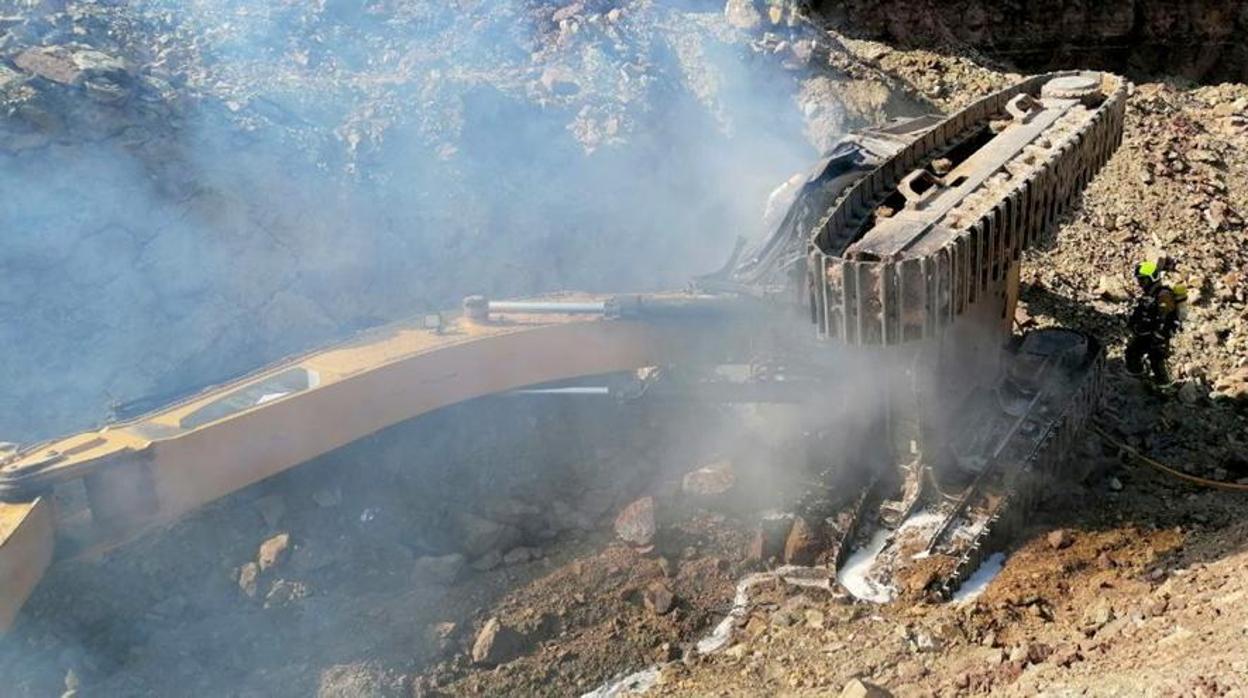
x: 901, y: 247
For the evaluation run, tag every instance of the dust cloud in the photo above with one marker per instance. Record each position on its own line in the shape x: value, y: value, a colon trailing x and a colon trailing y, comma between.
x: 218, y: 184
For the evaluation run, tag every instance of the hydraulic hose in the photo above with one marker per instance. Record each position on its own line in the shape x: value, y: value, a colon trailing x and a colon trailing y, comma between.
x: 1156, y: 465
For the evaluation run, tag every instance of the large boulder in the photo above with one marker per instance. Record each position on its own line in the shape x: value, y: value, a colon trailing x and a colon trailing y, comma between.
x: 636, y: 523
x: 709, y: 481
x: 658, y: 598
x: 478, y: 535
x: 803, y: 544
x: 440, y: 569
x: 497, y: 644
x: 69, y: 65
x: 742, y: 14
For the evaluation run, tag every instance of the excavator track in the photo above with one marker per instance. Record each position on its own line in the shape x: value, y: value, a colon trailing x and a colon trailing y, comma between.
x: 903, y: 250
x: 1046, y: 463
x: 944, y: 543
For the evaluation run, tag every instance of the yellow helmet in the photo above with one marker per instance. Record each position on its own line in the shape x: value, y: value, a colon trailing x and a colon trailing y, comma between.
x: 1180, y: 292
x: 1147, y: 272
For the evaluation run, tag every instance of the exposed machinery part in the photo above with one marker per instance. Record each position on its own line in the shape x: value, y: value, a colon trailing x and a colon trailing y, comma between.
x: 899, y: 231
x: 1051, y: 392
x: 934, y: 525
x: 648, y: 307
x: 777, y: 267
x: 915, y: 252
x: 933, y: 230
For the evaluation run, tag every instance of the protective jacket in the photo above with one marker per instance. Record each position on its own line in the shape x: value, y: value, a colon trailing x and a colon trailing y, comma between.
x: 1156, y: 314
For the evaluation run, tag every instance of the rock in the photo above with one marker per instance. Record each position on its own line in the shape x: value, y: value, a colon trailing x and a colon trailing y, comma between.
x: 1156, y: 607
x: 68, y: 65
x: 1234, y: 385
x: 771, y: 537
x: 362, y: 680
x: 521, y: 555
x: 1097, y: 617
x: 1202, y: 155
x: 1060, y: 539
x: 478, y: 535
x: 666, y: 566
x: 105, y: 90
x: 1219, y: 216
x: 1066, y: 656
x: 248, y: 575
x: 273, y: 551
x: 488, y: 561
x: 709, y: 481
x: 636, y: 524
x: 1038, y: 652
x: 1111, y: 288
x: 658, y: 598
x: 857, y: 688
x: 444, y: 631
x: 497, y: 644
x: 1115, y: 484
x: 560, y: 81
x: 567, y: 12
x: 815, y: 619
x: 440, y: 569
x: 742, y: 14
x: 802, y: 545
x: 1178, y: 635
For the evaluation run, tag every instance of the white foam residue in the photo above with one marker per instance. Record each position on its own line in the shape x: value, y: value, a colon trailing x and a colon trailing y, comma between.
x: 980, y: 580
x: 855, y: 576
x: 723, y: 630
x: 634, y: 684
x: 859, y: 574
x: 642, y: 681
x: 922, y: 519
x: 791, y: 574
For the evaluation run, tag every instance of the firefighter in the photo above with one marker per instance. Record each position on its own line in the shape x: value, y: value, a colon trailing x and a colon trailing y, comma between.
x: 1154, y: 320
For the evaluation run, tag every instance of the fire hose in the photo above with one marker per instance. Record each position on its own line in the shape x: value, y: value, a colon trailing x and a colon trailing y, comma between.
x: 1156, y: 465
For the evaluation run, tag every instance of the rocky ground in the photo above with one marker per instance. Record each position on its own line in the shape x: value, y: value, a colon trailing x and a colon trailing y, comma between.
x: 431, y: 560
x: 1132, y: 583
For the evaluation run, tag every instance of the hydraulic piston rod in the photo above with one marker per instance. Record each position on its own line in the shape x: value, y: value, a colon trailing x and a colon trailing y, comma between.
x: 548, y: 308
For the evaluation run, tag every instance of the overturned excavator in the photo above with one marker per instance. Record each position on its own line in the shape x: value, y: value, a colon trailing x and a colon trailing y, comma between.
x: 896, y: 260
